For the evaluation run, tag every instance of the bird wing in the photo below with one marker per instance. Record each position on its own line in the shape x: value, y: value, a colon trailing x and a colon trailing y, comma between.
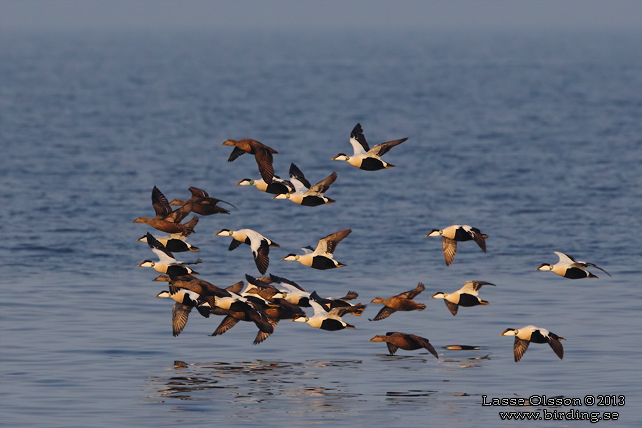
x: 452, y: 307
x: 472, y: 287
x: 391, y: 348
x: 318, y: 309
x: 286, y: 283
x: 556, y: 345
x: 235, y: 154
x: 323, y: 185
x: 412, y: 293
x: 450, y: 248
x: 164, y: 255
x: 298, y: 180
x: 234, y: 244
x: 264, y: 161
x: 596, y: 267
x: 520, y: 347
x: 384, y: 313
x: 565, y: 258
x: 328, y: 244
x: 227, y: 323
x: 260, y: 251
x: 383, y: 148
x: 180, y: 313
x: 160, y: 203
x: 477, y: 237
x: 358, y: 141
x: 235, y: 288
x: 198, y: 193
x: 424, y: 343
x: 262, y: 335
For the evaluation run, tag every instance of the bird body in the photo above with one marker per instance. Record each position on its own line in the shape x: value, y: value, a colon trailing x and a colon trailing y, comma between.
x: 261, y: 152
x: 400, y: 302
x: 531, y: 334
x: 174, y: 243
x: 259, y: 244
x: 458, y: 233
x: 167, y: 220
x: 304, y: 193
x: 409, y: 342
x: 570, y: 268
x: 322, y: 257
x: 276, y: 187
x: 166, y: 263
x: 202, y: 203
x: 364, y: 157
x: 325, y: 320
x: 466, y: 296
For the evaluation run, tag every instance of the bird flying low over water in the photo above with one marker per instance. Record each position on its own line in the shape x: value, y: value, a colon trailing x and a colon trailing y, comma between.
x: 326, y: 320
x: 458, y: 233
x: 185, y: 301
x: 259, y: 244
x: 202, y: 203
x: 167, y: 220
x: 166, y: 264
x: 466, y: 296
x: 364, y: 157
x: 400, y: 302
x: 568, y: 267
x: 276, y: 187
x: 304, y: 193
x: 322, y: 257
x: 174, y: 243
x: 531, y: 334
x: 261, y: 152
x: 409, y: 342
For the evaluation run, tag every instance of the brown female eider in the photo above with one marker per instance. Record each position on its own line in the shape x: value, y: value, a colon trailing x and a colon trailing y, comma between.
x: 400, y: 302
x: 409, y: 342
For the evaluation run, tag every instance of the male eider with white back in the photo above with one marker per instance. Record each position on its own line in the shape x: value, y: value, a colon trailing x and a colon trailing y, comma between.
x: 306, y: 194
x: 322, y: 257
x: 531, y: 334
x: 570, y: 268
x: 259, y: 244
x: 364, y: 157
x: 466, y: 296
x: 458, y: 233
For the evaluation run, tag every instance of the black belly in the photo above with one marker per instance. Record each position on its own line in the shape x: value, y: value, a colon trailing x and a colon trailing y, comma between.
x: 467, y: 300
x: 312, y: 201
x: 462, y: 235
x: 176, y: 246
x: 575, y: 273
x: 277, y: 188
x: 322, y: 263
x: 177, y: 270
x: 371, y: 164
x: 331, y: 325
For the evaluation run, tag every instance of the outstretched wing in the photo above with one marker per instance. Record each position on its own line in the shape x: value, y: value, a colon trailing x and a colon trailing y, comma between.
x: 412, y: 293
x: 180, y: 313
x: 557, y: 347
x: 424, y: 343
x: 358, y: 141
x: 297, y: 178
x: 391, y: 348
x: 329, y: 243
x: 160, y: 203
x: 227, y: 323
x: 384, y: 313
x: 452, y: 307
x: 383, y: 148
x: 472, y: 287
x: 164, y: 255
x: 520, y: 347
x: 450, y: 248
x: 235, y: 154
x: 264, y: 161
x: 324, y: 184
x: 565, y: 258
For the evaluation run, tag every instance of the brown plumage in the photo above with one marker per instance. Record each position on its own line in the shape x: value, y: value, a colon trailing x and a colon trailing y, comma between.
x: 261, y: 152
x: 167, y: 220
x: 409, y: 342
x: 202, y: 203
x: 400, y: 302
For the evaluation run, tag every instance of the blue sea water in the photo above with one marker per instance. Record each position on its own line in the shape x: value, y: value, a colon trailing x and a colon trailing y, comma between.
x: 533, y: 137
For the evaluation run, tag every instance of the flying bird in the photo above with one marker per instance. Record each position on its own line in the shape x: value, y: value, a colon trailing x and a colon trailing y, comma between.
x: 364, y: 157
x: 531, y: 334
x: 306, y: 194
x: 400, y: 302
x: 568, y: 267
x: 409, y: 342
x: 466, y: 296
x: 458, y: 233
x: 259, y: 244
x: 322, y: 257
x: 261, y: 152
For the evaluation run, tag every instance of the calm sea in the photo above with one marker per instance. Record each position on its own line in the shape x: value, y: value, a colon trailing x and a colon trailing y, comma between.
x: 533, y: 137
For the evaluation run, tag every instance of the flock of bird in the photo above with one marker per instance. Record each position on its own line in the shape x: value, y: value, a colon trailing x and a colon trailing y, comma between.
x: 268, y: 299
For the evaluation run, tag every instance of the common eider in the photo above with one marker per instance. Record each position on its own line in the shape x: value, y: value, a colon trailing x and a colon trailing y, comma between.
x: 259, y: 244
x: 531, y: 334
x: 324, y: 320
x: 304, y: 193
x: 466, y: 296
x: 409, y: 342
x: 458, y: 233
x: 166, y: 264
x: 400, y: 302
x: 261, y: 152
x: 202, y: 203
x: 364, y: 157
x: 167, y: 220
x: 570, y: 268
x: 322, y: 257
